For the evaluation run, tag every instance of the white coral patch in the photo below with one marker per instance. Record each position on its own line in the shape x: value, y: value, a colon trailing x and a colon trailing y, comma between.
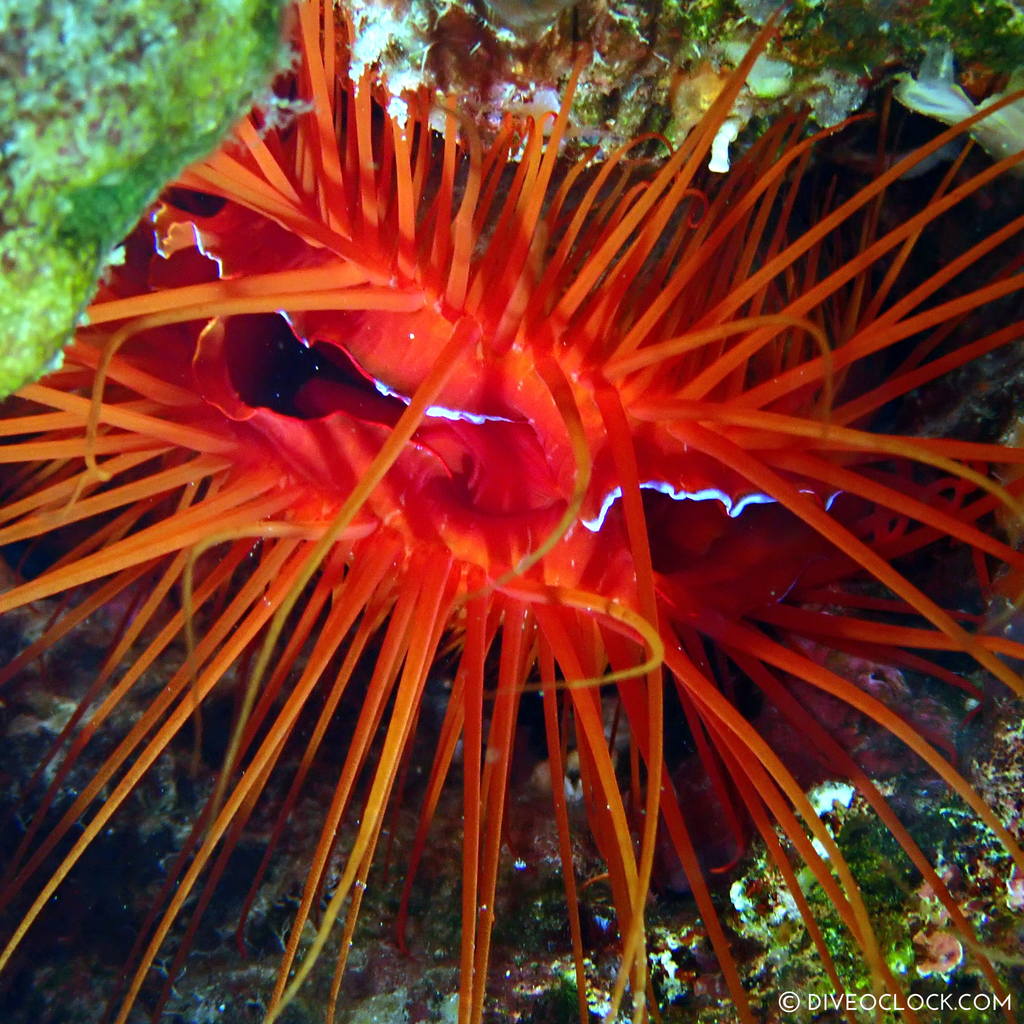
x: 935, y: 94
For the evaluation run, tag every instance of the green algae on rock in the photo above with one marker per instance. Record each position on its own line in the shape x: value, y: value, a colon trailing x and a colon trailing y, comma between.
x: 101, y: 102
x: 915, y: 933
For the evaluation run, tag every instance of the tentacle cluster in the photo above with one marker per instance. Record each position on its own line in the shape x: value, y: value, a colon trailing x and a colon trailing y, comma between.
x: 605, y: 424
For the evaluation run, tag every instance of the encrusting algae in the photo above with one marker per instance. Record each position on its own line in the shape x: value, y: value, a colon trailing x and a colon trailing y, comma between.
x: 101, y: 102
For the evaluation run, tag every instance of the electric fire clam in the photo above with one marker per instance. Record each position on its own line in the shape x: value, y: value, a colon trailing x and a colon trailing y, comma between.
x: 366, y: 388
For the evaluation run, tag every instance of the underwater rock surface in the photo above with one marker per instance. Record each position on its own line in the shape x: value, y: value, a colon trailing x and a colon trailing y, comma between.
x: 101, y: 103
